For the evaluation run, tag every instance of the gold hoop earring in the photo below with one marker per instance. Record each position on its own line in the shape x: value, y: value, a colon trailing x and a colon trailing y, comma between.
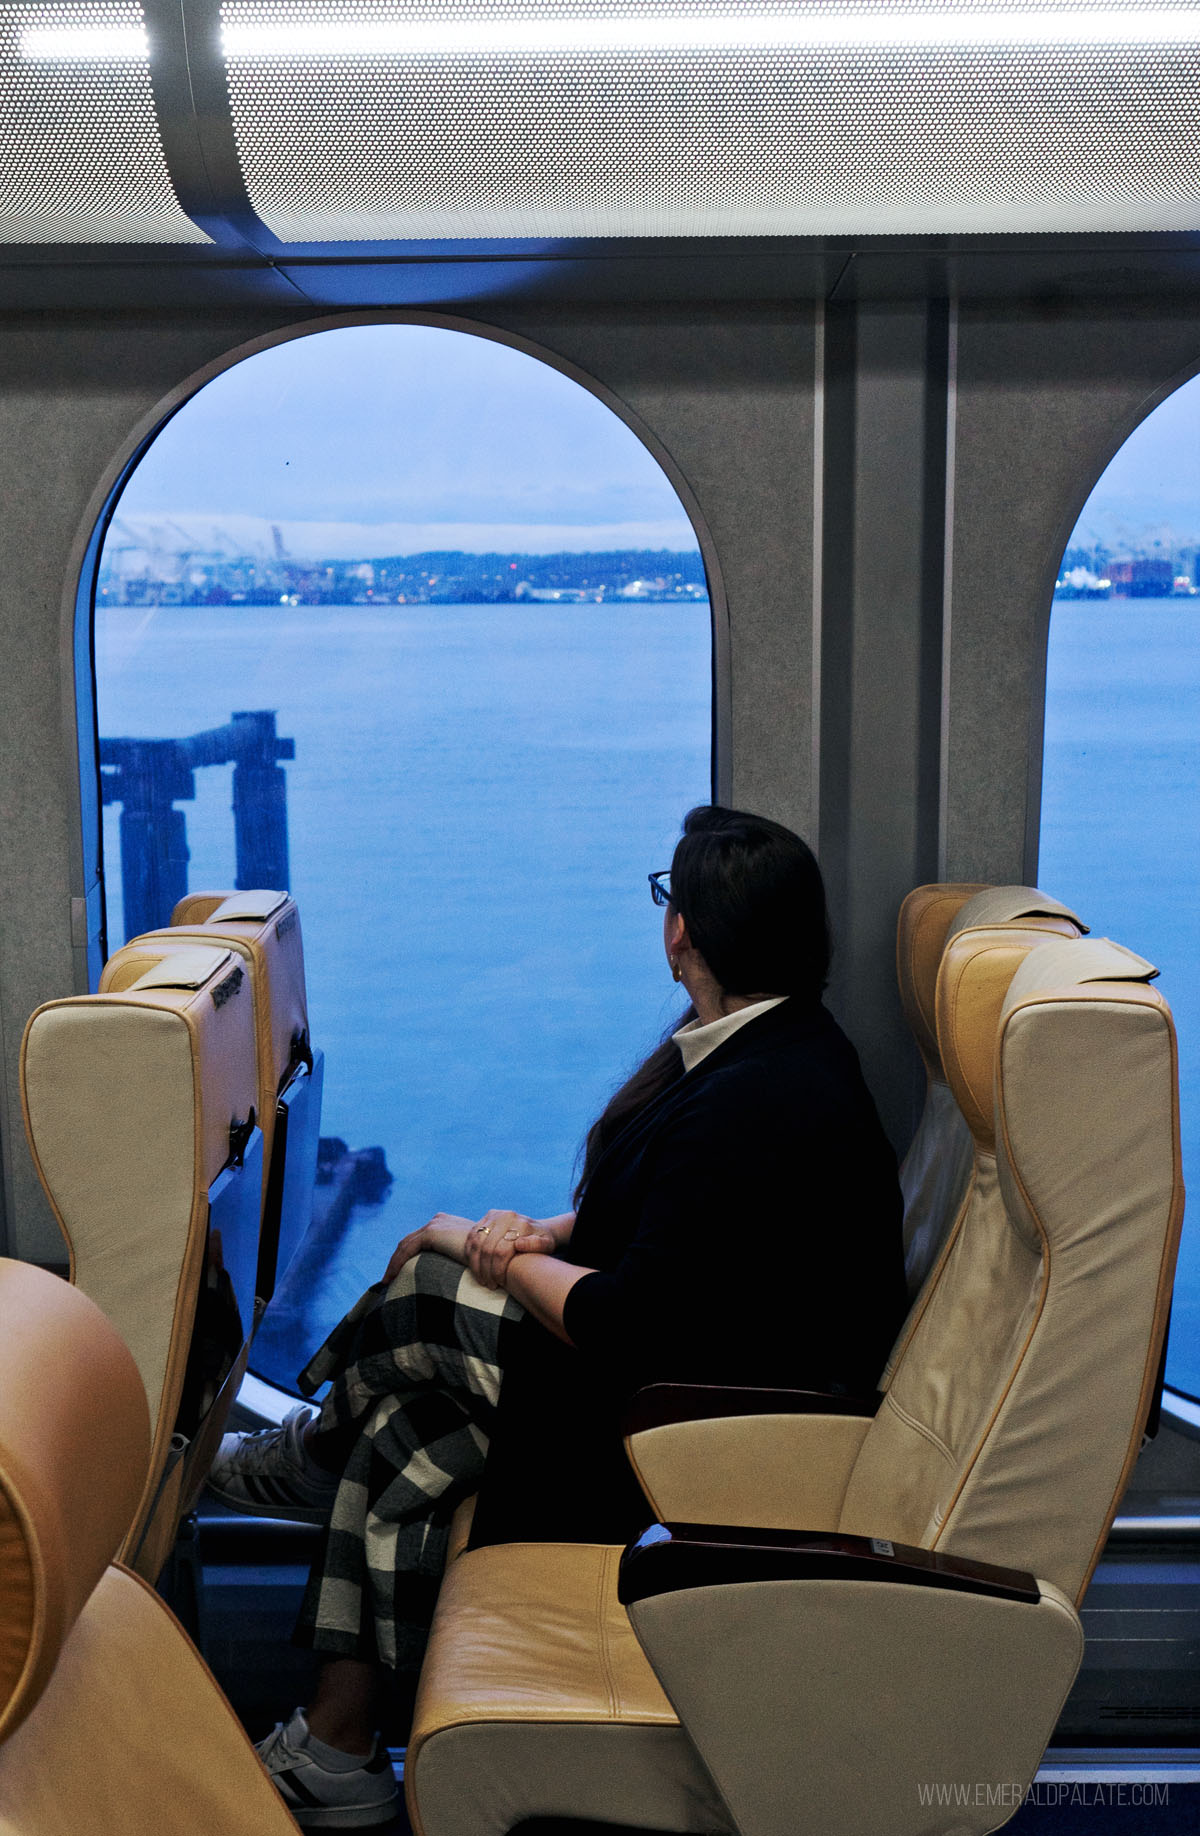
x: 676, y: 971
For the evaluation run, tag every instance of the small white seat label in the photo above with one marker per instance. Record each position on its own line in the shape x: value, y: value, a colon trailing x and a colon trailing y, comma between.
x: 184, y: 969
x: 256, y: 904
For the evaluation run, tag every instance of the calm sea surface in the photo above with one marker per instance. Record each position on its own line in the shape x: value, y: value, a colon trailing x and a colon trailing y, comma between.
x: 1121, y: 833
x: 477, y: 796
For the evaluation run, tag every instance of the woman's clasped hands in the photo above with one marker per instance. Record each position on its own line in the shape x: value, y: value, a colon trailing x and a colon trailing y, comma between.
x: 485, y: 1245
x: 498, y: 1237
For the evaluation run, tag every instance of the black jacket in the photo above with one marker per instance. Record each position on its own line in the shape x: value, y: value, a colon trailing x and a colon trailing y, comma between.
x: 744, y: 1228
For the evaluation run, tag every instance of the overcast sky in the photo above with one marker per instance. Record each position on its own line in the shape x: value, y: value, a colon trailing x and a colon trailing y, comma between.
x: 1152, y: 487
x: 397, y: 438
x: 433, y: 438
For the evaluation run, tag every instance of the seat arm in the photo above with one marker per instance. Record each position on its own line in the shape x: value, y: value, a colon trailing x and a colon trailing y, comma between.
x: 846, y: 1684
x: 708, y: 1454
x: 670, y: 1557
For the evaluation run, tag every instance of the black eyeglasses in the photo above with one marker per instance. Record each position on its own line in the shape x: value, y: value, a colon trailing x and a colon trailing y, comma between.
x: 660, y: 886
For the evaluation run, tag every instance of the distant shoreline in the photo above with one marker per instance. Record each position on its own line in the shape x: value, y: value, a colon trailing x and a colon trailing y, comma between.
x: 1077, y: 595
x: 133, y: 576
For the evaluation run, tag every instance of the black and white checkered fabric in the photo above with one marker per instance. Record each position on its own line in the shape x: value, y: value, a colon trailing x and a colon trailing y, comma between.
x: 417, y: 1367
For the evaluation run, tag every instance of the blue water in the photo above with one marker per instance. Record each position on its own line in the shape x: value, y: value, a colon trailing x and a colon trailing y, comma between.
x: 477, y: 796
x: 1121, y: 833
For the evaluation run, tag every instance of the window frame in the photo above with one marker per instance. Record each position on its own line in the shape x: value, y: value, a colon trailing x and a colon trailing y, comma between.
x: 88, y: 939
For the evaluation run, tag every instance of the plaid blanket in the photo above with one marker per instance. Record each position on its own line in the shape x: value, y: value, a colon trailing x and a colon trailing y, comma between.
x: 417, y: 1366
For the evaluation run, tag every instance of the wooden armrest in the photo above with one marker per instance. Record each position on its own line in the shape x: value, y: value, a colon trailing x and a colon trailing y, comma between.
x: 670, y: 1557
x: 660, y: 1404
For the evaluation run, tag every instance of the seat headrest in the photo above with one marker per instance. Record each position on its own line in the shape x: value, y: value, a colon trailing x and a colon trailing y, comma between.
x: 257, y: 904
x: 179, y: 969
x: 263, y: 929
x: 1086, y: 1075
x: 199, y: 991
x: 921, y: 930
x: 978, y: 966
x: 931, y: 916
x: 74, y: 1452
x: 129, y: 1158
x: 1062, y: 964
x: 1012, y: 905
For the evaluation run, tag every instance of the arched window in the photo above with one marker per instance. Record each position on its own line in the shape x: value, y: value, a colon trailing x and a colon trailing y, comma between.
x: 449, y: 616
x: 1120, y: 825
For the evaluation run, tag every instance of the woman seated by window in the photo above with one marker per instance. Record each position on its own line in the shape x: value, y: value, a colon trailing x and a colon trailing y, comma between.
x: 737, y: 1221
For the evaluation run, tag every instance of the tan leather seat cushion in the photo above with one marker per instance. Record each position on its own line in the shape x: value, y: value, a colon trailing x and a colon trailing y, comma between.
x: 68, y: 1482
x: 535, y: 1694
x: 132, y: 1736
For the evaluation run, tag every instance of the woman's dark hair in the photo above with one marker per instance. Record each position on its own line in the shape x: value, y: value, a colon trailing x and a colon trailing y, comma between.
x: 752, y: 897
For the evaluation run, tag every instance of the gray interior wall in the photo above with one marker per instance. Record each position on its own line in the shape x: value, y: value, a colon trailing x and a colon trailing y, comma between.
x: 956, y: 459
x: 727, y: 391
x: 886, y: 386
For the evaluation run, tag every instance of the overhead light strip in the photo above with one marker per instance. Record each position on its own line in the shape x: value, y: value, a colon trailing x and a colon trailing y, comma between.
x: 501, y: 37
x: 85, y: 44
x: 508, y: 37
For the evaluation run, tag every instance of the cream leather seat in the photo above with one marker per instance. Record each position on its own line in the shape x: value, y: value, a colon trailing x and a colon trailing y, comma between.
x: 110, y: 1724
x: 934, y: 1178
x: 140, y: 1111
x: 262, y: 928
x: 937, y: 1167
x: 918, y: 1624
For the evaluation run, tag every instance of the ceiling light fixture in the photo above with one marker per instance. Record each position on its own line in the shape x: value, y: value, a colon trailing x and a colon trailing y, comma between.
x: 583, y: 36
x: 749, y: 31
x: 84, y: 44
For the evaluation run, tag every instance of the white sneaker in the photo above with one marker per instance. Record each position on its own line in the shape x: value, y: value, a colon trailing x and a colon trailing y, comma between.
x: 354, y: 1797
x: 271, y: 1474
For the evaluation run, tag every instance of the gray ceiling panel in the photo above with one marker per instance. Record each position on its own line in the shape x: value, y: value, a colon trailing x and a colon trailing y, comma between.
x: 303, y: 126
x: 378, y: 120
x: 81, y: 158
x: 1044, y: 270
x: 155, y: 286
x: 1060, y: 270
x: 712, y: 274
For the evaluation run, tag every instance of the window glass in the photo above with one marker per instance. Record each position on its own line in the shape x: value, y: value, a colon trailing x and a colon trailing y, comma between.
x: 430, y: 617
x: 1121, y: 775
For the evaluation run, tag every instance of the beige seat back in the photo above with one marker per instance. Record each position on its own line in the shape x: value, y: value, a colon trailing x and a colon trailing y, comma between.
x: 262, y: 928
x: 139, y: 1106
x: 937, y: 1167
x: 72, y: 1469
x: 109, y: 1722
x: 1016, y: 1408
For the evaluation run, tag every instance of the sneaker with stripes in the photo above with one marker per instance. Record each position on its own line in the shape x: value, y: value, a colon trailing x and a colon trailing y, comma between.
x: 272, y: 1474
x: 324, y: 1788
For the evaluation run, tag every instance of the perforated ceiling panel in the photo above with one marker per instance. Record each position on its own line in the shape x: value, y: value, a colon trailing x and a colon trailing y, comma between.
x: 448, y: 118
x: 80, y: 155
